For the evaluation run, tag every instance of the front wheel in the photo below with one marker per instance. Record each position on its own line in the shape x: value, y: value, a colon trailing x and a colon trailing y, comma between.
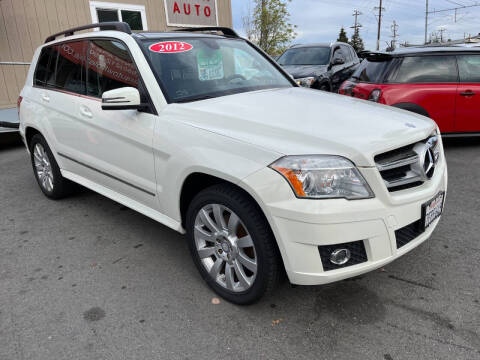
x: 232, y: 244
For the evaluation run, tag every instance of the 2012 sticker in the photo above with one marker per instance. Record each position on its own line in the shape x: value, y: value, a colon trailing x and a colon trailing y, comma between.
x: 169, y: 47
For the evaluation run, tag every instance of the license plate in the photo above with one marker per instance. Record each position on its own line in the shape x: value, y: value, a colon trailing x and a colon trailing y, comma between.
x: 432, y: 209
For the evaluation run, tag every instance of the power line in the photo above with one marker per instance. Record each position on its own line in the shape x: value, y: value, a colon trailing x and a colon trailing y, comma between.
x: 455, y: 9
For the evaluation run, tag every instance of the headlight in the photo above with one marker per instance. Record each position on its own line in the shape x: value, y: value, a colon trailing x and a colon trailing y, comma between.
x: 323, y: 177
x: 305, y: 82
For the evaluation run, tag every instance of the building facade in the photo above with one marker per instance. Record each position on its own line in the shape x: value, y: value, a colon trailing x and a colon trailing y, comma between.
x: 25, y: 24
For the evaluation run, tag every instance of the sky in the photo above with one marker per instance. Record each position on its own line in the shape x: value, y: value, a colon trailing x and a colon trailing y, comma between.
x: 321, y: 20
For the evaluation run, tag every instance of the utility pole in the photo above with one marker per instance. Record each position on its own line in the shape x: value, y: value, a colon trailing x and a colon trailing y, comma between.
x: 426, y: 20
x: 356, y: 13
x: 394, y: 36
x: 380, y: 9
x: 441, y: 34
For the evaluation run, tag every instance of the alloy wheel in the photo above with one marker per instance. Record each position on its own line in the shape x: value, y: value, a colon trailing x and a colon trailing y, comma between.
x: 225, y: 247
x: 43, y: 167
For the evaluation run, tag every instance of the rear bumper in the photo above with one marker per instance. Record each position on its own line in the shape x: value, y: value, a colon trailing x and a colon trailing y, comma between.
x: 301, y: 226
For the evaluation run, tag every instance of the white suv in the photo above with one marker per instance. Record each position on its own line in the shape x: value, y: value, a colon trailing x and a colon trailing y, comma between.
x: 208, y: 135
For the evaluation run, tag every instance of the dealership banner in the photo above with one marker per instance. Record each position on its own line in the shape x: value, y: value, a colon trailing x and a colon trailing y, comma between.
x: 191, y: 12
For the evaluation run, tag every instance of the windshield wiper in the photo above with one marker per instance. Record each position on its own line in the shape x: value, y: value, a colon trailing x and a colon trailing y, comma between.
x: 195, y: 98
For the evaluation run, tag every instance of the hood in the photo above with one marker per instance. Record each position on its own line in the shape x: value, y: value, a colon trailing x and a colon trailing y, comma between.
x: 299, y: 121
x: 301, y: 71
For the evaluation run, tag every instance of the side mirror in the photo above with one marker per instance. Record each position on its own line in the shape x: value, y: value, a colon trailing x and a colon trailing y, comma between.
x: 121, y: 99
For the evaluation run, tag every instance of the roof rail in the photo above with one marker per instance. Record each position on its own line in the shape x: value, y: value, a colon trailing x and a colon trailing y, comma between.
x: 112, y: 25
x: 375, y: 55
x: 225, y: 30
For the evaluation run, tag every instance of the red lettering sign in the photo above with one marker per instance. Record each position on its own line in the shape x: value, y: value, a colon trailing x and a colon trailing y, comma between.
x: 207, y: 11
x: 176, y: 8
x: 168, y: 47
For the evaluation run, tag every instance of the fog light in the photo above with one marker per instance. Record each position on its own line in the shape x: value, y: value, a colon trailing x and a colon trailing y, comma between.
x: 340, y: 256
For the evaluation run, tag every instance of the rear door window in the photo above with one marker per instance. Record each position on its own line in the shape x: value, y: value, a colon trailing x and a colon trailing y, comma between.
x: 427, y: 69
x: 110, y: 66
x: 70, y: 69
x: 45, y: 66
x: 469, y: 68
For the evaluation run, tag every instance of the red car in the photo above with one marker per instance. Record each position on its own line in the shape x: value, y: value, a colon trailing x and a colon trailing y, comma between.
x: 442, y: 83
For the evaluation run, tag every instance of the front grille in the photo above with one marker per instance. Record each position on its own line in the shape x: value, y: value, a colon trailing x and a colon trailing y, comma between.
x: 398, y: 167
x: 408, y: 233
x: 357, y: 251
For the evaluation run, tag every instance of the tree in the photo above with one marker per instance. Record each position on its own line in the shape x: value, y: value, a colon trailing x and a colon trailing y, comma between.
x: 342, y: 36
x: 356, y: 41
x: 268, y: 25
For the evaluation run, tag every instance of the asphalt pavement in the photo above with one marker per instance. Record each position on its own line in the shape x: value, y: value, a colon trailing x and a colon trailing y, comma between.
x: 87, y: 278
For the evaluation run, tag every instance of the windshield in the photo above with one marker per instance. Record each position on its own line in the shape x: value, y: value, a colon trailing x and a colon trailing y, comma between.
x: 305, y: 56
x: 192, y: 69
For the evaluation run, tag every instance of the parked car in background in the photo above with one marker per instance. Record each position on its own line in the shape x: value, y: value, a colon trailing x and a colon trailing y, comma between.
x: 320, y: 66
x: 442, y: 83
x: 9, y: 123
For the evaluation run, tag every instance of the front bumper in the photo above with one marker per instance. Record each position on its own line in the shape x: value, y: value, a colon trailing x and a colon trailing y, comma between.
x: 301, y: 226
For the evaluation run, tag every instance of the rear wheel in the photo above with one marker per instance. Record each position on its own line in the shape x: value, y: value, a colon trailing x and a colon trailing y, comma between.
x: 46, y: 170
x: 232, y: 244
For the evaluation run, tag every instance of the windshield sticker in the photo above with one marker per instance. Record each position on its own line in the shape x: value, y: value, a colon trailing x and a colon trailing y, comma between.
x: 210, y: 65
x: 169, y: 47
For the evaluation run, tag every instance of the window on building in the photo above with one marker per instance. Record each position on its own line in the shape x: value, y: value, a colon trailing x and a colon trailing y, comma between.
x: 133, y: 15
x: 427, y: 69
x: 110, y: 66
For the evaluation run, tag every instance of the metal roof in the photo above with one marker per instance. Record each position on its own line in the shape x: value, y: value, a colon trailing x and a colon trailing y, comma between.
x: 420, y: 50
x: 322, y: 44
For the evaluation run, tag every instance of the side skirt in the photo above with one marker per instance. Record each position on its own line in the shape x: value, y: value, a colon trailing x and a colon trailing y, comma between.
x: 122, y: 199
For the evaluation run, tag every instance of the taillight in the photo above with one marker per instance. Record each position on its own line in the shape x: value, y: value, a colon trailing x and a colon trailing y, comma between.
x: 347, y: 88
x: 375, y: 95
x: 19, y: 101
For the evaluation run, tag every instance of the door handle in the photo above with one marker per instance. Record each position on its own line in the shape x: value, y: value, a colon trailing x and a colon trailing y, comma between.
x: 467, y: 93
x: 85, y: 111
x: 45, y: 98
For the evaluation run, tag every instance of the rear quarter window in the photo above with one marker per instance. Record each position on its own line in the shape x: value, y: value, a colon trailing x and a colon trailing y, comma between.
x: 371, y: 71
x: 45, y: 66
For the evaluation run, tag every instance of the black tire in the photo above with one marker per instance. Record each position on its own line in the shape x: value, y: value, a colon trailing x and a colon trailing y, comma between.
x: 61, y: 187
x: 324, y: 87
x: 269, y: 263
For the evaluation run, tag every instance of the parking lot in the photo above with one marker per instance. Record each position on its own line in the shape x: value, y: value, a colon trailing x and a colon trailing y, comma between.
x: 86, y: 278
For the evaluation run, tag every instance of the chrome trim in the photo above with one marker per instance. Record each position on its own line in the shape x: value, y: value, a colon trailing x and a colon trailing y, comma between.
x: 421, y: 158
x: 106, y: 174
x: 397, y: 163
x: 403, y: 181
x: 14, y: 63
